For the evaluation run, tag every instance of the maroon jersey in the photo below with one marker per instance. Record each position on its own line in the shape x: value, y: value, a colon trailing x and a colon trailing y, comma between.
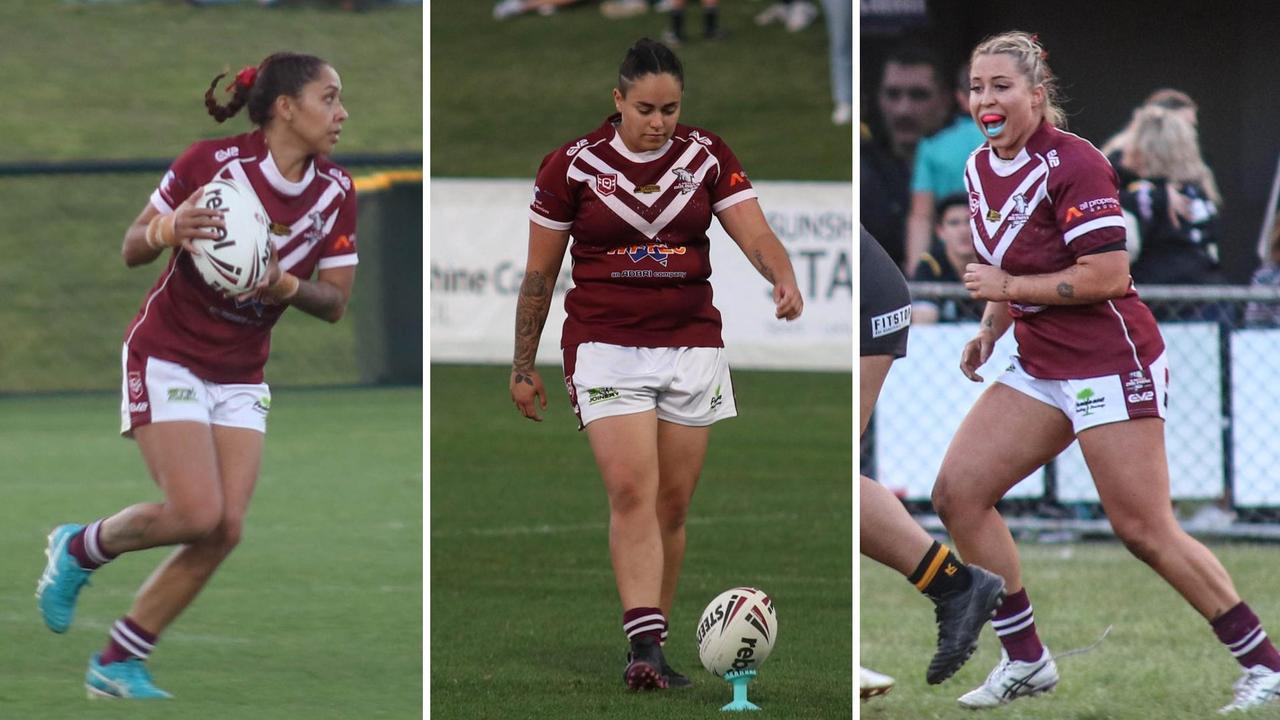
x: 1035, y: 214
x: 313, y: 225
x: 641, y: 257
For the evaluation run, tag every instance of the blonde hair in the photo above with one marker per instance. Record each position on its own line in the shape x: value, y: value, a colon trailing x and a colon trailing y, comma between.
x: 1031, y: 59
x: 1167, y: 98
x: 1167, y: 146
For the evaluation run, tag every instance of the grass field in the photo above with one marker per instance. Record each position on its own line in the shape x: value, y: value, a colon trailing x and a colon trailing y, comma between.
x: 504, y: 94
x: 126, y: 81
x: 524, y: 615
x: 316, y: 615
x: 1161, y: 660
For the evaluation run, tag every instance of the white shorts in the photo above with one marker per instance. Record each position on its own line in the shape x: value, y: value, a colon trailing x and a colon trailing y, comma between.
x: 1090, y: 402
x: 156, y: 390
x: 686, y: 385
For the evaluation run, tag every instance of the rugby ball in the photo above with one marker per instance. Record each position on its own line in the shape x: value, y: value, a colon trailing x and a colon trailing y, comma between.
x: 237, y: 260
x: 737, y: 631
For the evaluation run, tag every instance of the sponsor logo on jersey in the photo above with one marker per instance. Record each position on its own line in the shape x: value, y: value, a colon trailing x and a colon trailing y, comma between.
x: 685, y: 182
x: 226, y: 154
x: 135, y: 384
x: 1087, y: 401
x: 344, y: 243
x: 341, y: 177
x: 576, y: 147
x: 1102, y: 204
x: 659, y: 252
x: 606, y: 183
x: 737, y: 178
x: 279, y: 229
x: 1053, y: 159
x: 138, y: 407
x: 697, y: 137
x: 182, y: 394
x: 252, y: 303
x: 650, y: 188
x: 1073, y: 213
x: 601, y: 394
x: 891, y: 322
x: 993, y: 215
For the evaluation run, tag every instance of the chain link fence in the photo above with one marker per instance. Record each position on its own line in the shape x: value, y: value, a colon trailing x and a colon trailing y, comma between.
x: 1223, y: 344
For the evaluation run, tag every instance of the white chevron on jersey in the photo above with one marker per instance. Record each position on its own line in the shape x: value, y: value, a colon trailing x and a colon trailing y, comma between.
x: 1039, y: 172
x: 1037, y: 178
x: 631, y: 217
x: 624, y: 183
x: 235, y: 168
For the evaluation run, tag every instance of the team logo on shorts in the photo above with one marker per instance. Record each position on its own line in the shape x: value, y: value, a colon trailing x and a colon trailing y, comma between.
x: 606, y: 184
x: 601, y: 394
x: 135, y: 384
x: 182, y: 394
x: 716, y: 399
x: 263, y: 404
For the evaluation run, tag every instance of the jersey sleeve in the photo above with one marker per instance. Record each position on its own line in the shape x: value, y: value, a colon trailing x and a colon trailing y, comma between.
x: 1086, y: 202
x: 183, y: 177
x: 553, y: 205
x: 731, y: 185
x: 339, y: 248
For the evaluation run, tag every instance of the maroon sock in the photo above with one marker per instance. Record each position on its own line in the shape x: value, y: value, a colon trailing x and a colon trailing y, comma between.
x: 86, y: 547
x: 1241, y: 631
x: 644, y: 622
x: 1015, y: 625
x: 128, y: 640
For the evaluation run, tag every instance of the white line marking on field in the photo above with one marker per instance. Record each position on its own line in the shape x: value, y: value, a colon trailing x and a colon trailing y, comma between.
x: 595, y: 526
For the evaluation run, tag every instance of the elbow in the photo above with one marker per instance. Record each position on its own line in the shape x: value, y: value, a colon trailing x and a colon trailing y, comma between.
x: 336, y: 314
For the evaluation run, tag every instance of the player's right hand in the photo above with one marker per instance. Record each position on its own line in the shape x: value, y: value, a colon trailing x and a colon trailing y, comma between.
x: 976, y: 352
x: 527, y: 392
x: 191, y: 221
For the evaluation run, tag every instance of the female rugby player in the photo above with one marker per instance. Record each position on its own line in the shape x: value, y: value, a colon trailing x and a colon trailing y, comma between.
x: 643, y: 359
x: 1090, y: 366
x: 194, y: 398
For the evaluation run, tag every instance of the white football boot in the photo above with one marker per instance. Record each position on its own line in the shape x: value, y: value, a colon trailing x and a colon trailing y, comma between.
x: 1258, y: 686
x: 1013, y: 679
x: 873, y: 683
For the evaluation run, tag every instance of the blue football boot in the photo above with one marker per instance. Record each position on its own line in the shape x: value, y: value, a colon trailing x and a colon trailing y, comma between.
x: 59, y: 586
x: 127, y: 679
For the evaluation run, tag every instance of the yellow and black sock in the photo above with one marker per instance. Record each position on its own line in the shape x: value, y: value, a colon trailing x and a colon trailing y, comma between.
x: 940, y: 572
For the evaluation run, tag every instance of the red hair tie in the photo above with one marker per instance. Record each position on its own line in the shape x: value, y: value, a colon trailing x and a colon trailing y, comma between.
x: 244, y: 78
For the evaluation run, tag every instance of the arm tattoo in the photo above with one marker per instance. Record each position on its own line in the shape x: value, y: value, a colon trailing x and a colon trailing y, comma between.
x: 1066, y: 290
x: 531, y: 314
x: 988, y: 321
x: 763, y: 266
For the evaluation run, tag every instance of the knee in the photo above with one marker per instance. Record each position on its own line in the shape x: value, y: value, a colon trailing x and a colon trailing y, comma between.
x: 954, y: 496
x: 673, y: 510
x: 226, y: 536
x: 1143, y: 538
x: 197, y: 522
x: 627, y: 498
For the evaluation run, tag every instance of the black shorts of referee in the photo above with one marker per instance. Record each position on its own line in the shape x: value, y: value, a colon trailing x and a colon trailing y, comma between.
x: 885, y: 315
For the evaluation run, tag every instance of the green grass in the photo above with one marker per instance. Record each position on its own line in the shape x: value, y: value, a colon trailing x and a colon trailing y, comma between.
x: 126, y: 81
x: 525, y: 620
x: 1161, y: 660
x: 316, y: 615
x: 504, y: 94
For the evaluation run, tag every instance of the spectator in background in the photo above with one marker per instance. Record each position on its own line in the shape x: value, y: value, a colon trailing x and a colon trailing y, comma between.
x: 796, y: 15
x: 1174, y: 197
x: 913, y: 104
x: 511, y: 8
x: 674, y: 36
x: 840, y: 38
x: 939, y: 168
x: 950, y: 251
x: 1167, y: 98
x: 1266, y: 314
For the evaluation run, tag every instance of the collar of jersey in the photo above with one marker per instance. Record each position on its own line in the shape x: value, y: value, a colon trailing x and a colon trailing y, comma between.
x: 1005, y: 168
x: 643, y: 157
x: 280, y: 183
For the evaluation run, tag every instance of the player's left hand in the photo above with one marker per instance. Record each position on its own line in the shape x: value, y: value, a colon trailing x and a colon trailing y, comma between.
x: 986, y: 282
x: 787, y: 300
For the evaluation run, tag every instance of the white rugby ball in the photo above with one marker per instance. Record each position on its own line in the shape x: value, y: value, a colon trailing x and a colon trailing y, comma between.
x: 236, y: 261
x: 737, y: 631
